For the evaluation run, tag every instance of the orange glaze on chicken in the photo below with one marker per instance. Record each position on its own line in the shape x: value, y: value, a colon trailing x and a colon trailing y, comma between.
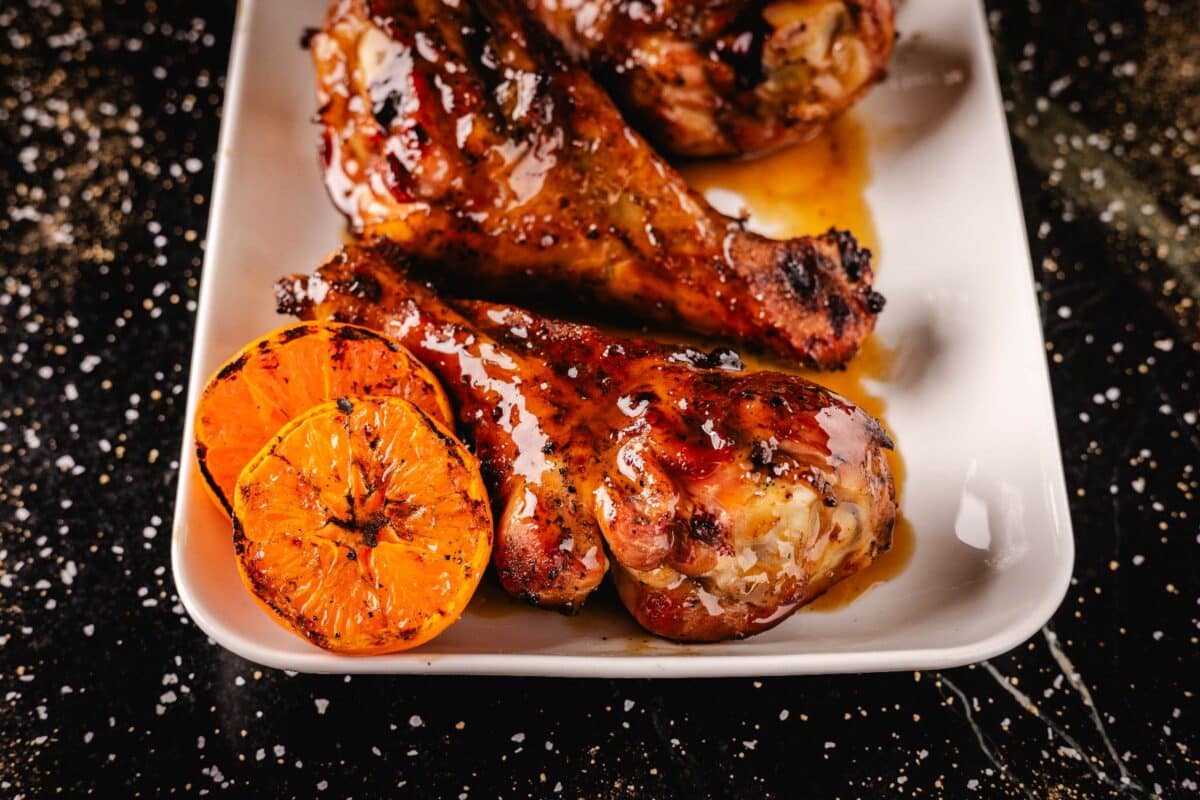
x: 726, y: 498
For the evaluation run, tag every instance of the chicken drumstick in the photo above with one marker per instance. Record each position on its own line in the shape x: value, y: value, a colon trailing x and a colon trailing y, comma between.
x: 460, y: 130
x: 726, y: 498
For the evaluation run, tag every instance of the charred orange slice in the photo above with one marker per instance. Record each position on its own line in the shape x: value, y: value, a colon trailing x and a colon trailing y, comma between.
x: 283, y: 374
x: 363, y: 525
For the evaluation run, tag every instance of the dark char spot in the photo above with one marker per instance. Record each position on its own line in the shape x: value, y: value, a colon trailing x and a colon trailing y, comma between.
x: 704, y: 527
x: 855, y: 259
x: 385, y: 109
x: 231, y: 368
x: 839, y: 312
x: 799, y: 264
x: 297, y: 332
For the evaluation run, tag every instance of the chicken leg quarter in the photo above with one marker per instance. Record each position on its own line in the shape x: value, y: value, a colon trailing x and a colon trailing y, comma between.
x: 726, y: 498
x: 461, y: 131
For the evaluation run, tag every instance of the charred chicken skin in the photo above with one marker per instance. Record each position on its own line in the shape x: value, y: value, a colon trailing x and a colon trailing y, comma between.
x: 460, y: 131
x: 726, y: 498
x: 727, y: 77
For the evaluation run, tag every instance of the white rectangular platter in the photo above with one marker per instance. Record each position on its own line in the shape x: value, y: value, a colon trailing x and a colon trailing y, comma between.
x: 968, y: 396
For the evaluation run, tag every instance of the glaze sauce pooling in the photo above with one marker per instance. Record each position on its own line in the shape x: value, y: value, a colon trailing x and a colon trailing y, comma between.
x: 812, y: 186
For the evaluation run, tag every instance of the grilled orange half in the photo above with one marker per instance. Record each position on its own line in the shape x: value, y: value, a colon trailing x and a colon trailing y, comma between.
x: 363, y: 525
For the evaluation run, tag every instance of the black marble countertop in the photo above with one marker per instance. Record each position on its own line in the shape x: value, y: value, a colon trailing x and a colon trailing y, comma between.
x: 109, y: 114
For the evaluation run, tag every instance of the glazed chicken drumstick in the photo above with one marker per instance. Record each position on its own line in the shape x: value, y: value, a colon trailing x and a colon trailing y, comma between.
x: 459, y: 130
x: 726, y: 498
x: 727, y: 77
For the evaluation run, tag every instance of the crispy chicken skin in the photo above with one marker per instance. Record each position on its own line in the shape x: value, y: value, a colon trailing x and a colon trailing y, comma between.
x: 726, y: 498
x: 727, y: 77
x: 460, y: 131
